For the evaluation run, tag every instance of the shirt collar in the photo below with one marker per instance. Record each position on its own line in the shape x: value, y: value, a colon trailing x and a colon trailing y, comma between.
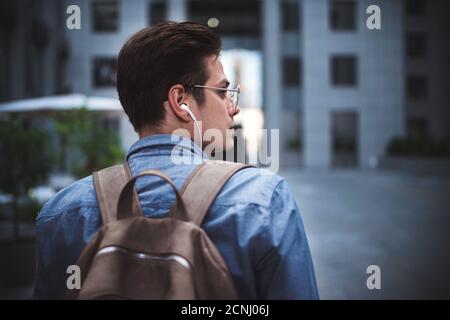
x: 166, y: 141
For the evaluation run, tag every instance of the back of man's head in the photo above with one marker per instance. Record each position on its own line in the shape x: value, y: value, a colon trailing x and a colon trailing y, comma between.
x: 158, y: 57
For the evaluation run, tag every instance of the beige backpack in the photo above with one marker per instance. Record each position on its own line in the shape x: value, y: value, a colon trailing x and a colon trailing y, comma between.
x: 135, y: 257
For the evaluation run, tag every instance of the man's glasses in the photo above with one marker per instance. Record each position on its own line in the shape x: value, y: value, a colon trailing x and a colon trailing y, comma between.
x: 233, y: 94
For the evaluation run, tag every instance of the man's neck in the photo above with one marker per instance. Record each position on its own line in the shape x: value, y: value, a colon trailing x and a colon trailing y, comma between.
x: 150, y: 131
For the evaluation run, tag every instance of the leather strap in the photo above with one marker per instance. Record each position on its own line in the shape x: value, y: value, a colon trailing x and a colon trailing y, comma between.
x: 108, y: 184
x: 204, y: 184
x: 193, y: 200
x: 125, y: 204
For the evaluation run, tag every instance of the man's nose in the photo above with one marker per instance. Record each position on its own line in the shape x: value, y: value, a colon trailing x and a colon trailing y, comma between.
x: 232, y: 111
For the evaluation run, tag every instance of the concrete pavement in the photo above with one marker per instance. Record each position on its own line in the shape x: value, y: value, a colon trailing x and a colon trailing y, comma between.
x: 359, y: 218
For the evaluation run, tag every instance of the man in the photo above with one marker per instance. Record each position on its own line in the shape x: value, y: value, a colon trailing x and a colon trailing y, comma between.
x: 166, y: 76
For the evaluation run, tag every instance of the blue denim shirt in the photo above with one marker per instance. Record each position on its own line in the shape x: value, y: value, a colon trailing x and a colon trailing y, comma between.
x: 254, y: 223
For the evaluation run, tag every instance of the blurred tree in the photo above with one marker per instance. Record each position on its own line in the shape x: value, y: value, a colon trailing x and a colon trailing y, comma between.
x: 25, y: 161
x: 419, y: 146
x: 84, y: 133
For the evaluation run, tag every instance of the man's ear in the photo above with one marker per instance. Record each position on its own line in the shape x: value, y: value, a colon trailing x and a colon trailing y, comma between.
x: 176, y: 96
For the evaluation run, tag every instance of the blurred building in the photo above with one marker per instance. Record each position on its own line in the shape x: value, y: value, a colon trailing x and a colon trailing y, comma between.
x: 337, y: 91
x: 33, y: 52
x: 427, y: 69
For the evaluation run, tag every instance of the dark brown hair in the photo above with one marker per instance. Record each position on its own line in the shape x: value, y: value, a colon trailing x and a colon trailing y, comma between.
x: 158, y: 57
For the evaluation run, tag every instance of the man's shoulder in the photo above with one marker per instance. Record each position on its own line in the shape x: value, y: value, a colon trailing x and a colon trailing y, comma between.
x: 75, y: 196
x: 250, y: 185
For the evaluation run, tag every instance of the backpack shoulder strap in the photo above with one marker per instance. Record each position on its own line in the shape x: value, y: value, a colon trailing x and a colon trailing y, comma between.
x: 204, y: 184
x: 108, y: 184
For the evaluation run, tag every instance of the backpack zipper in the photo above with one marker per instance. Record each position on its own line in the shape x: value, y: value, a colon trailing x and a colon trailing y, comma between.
x: 145, y: 256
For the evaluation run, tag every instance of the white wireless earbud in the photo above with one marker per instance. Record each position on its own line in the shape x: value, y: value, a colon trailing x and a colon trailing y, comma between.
x: 185, y: 107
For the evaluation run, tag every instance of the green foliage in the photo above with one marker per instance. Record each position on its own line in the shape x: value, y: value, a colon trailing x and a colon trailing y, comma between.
x: 29, y: 209
x: 98, y: 147
x: 419, y: 146
x: 24, y: 156
x: 25, y: 161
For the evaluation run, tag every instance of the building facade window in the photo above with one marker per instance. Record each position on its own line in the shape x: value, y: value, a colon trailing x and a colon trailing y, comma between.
x: 417, y: 127
x: 344, y: 70
x: 105, y: 16
x: 5, y: 67
x: 416, y: 45
x: 416, y: 7
x: 342, y: 15
x: 416, y: 87
x: 291, y: 71
x: 344, y: 138
x: 158, y: 12
x: 104, y: 72
x: 290, y: 15
x: 236, y: 18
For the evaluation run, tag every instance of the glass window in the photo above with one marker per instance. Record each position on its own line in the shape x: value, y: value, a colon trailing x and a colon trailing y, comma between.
x: 415, y: 7
x: 290, y: 15
x: 291, y: 71
x: 238, y: 18
x: 344, y: 135
x: 343, y: 15
x: 104, y: 72
x: 105, y: 15
x: 158, y: 12
x: 344, y: 70
x: 416, y: 45
x: 417, y: 127
x: 417, y: 87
